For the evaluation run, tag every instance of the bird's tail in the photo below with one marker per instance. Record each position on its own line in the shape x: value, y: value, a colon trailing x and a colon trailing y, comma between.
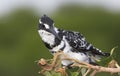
x: 96, y: 51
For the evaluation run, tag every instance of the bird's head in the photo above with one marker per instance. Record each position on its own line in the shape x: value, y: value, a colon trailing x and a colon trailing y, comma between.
x: 47, y: 24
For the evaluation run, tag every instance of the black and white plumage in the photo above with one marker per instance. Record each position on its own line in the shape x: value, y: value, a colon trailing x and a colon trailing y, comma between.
x: 73, y: 44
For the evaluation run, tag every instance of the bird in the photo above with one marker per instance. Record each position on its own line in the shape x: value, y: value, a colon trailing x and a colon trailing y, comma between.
x: 71, y: 43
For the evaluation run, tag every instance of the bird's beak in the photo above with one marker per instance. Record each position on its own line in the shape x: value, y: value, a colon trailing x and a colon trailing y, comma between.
x: 54, y: 33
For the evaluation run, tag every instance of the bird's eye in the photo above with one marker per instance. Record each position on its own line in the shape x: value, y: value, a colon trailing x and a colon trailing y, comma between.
x: 42, y: 26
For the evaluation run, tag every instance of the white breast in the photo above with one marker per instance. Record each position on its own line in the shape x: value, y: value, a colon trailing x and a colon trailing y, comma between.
x: 47, y: 37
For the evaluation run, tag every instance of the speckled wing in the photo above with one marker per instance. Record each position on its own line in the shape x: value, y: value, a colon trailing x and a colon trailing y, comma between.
x: 77, y: 41
x: 79, y: 44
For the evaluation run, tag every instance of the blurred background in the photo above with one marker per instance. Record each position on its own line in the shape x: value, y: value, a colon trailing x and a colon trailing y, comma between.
x: 21, y: 46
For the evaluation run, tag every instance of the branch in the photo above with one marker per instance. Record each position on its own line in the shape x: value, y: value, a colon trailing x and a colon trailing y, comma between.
x: 113, y: 66
x: 98, y: 68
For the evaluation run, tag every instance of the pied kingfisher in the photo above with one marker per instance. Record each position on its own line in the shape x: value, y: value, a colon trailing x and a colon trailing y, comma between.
x: 73, y: 44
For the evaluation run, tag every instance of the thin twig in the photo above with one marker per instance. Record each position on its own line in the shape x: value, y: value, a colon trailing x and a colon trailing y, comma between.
x: 87, y: 72
x: 93, y: 73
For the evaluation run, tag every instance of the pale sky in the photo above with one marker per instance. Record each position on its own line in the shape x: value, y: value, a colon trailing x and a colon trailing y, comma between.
x: 48, y: 6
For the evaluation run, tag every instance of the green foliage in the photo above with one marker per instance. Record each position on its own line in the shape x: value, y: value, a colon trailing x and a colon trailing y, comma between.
x: 83, y: 71
x: 75, y: 74
x: 52, y: 73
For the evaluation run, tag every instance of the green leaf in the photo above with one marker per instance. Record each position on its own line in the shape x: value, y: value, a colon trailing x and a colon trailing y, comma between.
x: 75, y: 74
x: 55, y: 73
x: 83, y: 71
x: 111, y: 52
x: 48, y: 74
